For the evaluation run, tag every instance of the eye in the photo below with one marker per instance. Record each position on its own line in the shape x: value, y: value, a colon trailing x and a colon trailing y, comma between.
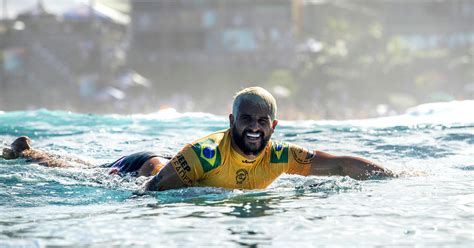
x: 263, y: 121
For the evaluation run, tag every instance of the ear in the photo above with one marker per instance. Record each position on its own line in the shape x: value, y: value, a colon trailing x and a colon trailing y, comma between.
x: 274, y: 124
x: 231, y: 120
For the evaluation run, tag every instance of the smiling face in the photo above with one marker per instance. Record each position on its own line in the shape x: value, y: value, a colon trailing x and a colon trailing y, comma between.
x: 251, y: 128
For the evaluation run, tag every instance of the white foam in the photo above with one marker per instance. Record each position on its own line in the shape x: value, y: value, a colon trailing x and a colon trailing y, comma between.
x: 441, y: 113
x: 171, y: 114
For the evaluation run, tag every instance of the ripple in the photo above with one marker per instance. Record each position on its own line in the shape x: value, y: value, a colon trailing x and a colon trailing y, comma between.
x: 466, y: 167
x: 60, y: 207
x: 414, y: 151
x: 466, y: 137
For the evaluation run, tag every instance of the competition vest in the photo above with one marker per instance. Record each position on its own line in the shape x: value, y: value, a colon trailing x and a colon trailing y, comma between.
x: 211, y: 161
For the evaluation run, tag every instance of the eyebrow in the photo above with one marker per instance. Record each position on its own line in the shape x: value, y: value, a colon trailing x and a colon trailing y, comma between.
x: 257, y: 117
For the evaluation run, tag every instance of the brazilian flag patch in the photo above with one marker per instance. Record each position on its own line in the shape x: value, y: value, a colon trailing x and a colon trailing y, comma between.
x: 279, y: 153
x: 208, y: 154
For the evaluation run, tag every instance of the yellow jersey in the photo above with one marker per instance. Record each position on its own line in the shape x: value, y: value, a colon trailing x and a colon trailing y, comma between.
x: 212, y: 161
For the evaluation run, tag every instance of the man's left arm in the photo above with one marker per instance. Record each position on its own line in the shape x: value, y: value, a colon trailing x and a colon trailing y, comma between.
x: 325, y: 164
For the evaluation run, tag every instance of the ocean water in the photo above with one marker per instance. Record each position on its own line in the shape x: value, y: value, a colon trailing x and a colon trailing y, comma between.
x: 431, y: 203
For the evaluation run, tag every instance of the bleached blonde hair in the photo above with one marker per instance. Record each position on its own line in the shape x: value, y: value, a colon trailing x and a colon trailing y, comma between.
x: 257, y: 95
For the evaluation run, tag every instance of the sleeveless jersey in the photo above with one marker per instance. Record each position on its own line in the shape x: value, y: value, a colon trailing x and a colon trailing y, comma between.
x: 213, y: 162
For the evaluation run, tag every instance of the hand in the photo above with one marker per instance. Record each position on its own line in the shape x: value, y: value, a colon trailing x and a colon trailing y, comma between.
x: 8, y: 153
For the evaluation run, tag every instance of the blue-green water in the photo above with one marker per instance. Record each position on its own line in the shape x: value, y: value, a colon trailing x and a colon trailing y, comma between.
x: 430, y: 204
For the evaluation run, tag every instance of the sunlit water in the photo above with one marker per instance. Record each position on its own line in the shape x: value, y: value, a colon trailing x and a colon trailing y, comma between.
x: 430, y: 204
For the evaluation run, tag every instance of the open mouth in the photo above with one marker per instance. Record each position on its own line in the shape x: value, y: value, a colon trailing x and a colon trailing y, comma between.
x: 253, y: 136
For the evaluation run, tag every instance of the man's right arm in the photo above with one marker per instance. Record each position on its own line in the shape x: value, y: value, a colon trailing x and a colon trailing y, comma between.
x: 166, y: 179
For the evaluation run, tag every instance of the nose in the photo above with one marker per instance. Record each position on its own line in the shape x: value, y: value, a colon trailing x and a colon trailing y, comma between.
x: 254, y: 126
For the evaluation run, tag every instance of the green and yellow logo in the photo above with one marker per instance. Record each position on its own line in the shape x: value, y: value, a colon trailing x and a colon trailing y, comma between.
x: 208, y: 154
x: 279, y: 153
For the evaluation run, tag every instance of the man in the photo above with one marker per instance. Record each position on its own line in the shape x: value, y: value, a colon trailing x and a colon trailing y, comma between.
x: 244, y: 157
x: 136, y: 164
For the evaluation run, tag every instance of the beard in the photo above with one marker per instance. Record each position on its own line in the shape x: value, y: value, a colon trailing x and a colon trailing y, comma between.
x: 239, y: 140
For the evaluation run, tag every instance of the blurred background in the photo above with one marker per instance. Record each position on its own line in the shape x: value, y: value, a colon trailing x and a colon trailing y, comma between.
x: 322, y: 59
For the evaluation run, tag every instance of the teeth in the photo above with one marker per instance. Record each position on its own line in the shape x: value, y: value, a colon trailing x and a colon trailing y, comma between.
x: 253, y: 135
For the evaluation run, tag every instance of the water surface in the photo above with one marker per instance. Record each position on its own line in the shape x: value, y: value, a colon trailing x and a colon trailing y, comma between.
x: 430, y: 204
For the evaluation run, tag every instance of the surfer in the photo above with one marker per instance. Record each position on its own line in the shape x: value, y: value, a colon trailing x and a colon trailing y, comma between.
x: 240, y: 157
x: 244, y: 157
x: 136, y: 164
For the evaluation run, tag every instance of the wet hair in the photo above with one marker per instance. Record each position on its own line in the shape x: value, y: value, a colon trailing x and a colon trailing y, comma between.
x: 257, y: 95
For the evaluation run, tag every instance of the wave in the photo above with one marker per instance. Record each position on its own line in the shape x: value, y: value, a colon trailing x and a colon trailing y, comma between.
x: 454, y: 113
x: 442, y: 113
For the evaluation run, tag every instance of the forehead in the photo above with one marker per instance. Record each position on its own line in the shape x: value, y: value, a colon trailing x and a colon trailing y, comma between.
x: 256, y: 108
